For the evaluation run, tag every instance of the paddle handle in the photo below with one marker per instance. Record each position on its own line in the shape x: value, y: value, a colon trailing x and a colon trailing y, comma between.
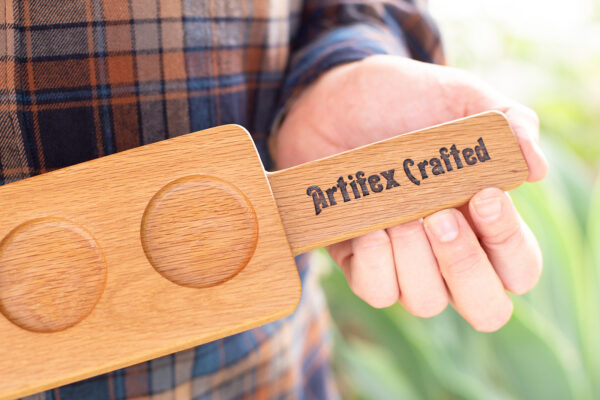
x: 396, y: 180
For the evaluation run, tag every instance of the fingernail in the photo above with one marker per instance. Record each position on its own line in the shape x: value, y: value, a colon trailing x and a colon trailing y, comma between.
x: 487, y: 205
x: 443, y: 225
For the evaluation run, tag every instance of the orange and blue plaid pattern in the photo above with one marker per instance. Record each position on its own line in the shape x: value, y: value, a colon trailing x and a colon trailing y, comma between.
x: 80, y: 79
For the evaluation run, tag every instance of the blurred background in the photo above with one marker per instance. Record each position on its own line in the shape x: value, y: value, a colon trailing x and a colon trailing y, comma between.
x: 546, y: 54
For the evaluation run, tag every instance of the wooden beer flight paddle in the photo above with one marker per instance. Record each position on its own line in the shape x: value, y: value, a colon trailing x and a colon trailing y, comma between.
x: 164, y: 247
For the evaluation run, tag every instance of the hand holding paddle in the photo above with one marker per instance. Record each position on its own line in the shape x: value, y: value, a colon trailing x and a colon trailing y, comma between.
x: 160, y: 248
x: 467, y: 255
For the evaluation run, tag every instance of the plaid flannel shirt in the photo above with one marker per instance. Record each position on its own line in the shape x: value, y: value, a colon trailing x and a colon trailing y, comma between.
x: 80, y: 79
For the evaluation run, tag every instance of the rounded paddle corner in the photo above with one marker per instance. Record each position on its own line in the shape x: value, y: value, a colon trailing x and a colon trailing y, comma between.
x: 236, y: 131
x: 237, y: 128
x: 236, y: 137
x: 493, y: 116
x: 291, y: 304
x: 501, y: 116
x: 519, y: 168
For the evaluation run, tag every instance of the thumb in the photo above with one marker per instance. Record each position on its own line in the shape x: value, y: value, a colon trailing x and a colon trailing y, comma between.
x: 525, y: 124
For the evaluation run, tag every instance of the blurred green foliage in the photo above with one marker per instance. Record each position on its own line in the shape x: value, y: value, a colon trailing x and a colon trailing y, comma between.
x: 551, y: 347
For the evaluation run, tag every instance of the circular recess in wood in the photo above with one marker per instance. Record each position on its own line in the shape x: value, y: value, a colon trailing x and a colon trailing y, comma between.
x: 199, y: 231
x: 52, y: 274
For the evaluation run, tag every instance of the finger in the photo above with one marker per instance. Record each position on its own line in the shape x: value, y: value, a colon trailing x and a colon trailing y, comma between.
x: 371, y: 270
x: 341, y: 253
x: 507, y: 240
x: 422, y: 289
x: 476, y: 290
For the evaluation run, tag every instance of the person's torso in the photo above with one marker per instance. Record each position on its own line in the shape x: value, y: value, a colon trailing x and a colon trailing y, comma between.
x: 81, y: 79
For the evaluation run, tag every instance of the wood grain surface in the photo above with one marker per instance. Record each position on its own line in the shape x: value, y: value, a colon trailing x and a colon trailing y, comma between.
x: 58, y: 296
x: 137, y: 255
x: 369, y: 188
x: 220, y: 234
x: 161, y: 248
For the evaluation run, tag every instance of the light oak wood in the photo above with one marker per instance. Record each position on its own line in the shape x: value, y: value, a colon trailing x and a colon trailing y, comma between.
x: 505, y: 169
x: 56, y: 297
x: 218, y: 225
x: 85, y: 251
x: 154, y: 250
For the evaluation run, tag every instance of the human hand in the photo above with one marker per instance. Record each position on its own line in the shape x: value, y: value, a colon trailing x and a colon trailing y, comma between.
x: 467, y: 256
